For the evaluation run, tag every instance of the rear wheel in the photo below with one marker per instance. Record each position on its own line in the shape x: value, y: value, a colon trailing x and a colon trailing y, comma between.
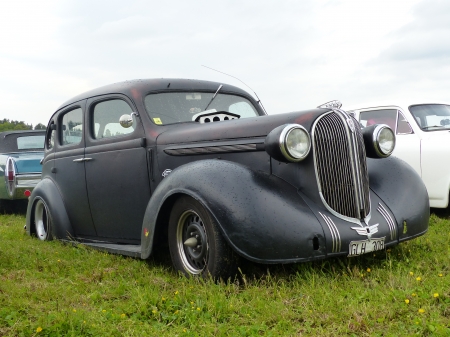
x: 42, y: 221
x: 196, y: 245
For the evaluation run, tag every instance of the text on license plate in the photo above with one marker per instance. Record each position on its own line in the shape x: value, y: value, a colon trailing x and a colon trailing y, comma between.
x: 365, y: 246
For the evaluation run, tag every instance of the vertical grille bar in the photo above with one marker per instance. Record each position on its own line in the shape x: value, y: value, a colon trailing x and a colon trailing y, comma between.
x: 342, y: 174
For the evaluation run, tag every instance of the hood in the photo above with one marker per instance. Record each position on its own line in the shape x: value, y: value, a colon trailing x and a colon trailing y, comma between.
x: 237, y: 128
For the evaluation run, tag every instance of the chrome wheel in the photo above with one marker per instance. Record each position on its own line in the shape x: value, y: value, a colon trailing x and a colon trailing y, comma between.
x: 192, y: 242
x: 42, y: 221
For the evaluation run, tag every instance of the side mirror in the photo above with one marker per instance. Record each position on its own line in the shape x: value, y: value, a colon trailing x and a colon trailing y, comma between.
x: 126, y: 121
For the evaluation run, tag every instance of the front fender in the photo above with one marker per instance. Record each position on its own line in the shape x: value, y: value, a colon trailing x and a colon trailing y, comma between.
x: 263, y: 218
x: 403, y: 191
x: 48, y: 191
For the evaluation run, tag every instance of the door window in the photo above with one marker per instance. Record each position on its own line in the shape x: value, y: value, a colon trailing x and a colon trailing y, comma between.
x: 106, y: 119
x: 72, y: 127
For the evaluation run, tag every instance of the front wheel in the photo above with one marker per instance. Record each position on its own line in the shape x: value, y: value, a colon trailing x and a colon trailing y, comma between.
x: 42, y: 221
x: 196, y: 245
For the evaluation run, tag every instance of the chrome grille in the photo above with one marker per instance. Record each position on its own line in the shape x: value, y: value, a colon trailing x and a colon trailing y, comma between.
x: 341, y: 167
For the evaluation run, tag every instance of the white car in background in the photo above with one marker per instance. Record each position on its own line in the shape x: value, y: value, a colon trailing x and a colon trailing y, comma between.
x: 422, y: 140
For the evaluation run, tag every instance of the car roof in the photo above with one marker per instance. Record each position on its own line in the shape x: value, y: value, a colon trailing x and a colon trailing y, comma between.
x: 139, y: 87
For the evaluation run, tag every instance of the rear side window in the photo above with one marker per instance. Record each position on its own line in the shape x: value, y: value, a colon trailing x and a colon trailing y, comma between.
x: 72, y: 127
x: 388, y: 117
x: 391, y: 117
x: 30, y: 142
x: 106, y: 118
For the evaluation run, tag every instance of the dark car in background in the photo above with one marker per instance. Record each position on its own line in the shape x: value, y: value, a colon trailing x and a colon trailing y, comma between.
x: 201, y: 167
x: 20, y: 168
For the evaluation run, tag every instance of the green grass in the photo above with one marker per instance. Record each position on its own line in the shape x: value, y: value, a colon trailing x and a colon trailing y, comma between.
x: 53, y: 289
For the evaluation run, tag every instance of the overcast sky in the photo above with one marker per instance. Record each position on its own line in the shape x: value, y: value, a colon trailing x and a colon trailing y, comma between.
x: 294, y: 54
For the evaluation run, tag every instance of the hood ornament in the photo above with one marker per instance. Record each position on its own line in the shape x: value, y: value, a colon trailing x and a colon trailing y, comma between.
x: 331, y: 105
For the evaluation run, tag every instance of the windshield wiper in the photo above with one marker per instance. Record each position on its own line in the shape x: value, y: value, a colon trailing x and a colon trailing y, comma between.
x: 220, y: 87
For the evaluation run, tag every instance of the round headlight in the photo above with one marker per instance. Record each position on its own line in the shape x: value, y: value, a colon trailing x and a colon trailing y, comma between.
x: 379, y: 140
x: 386, y: 140
x: 295, y: 142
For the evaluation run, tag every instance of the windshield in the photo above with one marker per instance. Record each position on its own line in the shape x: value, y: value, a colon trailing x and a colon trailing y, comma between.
x: 176, y: 107
x: 431, y: 117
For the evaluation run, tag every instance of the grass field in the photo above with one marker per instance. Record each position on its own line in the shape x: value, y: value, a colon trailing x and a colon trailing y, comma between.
x: 53, y: 289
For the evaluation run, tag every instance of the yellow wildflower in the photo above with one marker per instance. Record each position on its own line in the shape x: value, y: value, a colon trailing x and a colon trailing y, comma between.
x: 368, y: 270
x: 74, y: 310
x: 413, y: 295
x: 163, y: 299
x: 411, y: 273
x: 59, y: 260
x: 421, y: 310
x: 418, y: 278
x: 407, y: 301
x: 198, y: 309
x: 440, y: 275
x: 176, y: 292
x: 435, y: 295
x: 123, y: 315
x: 103, y: 310
x: 154, y: 311
x: 39, y: 329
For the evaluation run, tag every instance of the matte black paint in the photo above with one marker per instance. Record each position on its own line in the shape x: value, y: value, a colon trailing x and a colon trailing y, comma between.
x: 268, y: 210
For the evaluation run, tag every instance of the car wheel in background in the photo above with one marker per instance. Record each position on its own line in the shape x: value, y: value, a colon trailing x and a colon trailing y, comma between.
x: 196, y: 245
x: 42, y: 221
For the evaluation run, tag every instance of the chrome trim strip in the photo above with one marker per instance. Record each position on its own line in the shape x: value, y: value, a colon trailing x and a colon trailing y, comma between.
x: 335, y: 236
x: 213, y: 149
x: 389, y: 220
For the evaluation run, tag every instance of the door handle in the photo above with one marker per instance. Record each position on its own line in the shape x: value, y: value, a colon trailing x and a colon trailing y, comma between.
x: 79, y: 160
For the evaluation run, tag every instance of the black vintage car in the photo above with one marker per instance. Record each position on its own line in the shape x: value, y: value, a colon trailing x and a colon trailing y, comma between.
x: 200, y: 166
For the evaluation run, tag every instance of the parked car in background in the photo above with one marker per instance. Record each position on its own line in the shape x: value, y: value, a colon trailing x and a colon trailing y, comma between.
x: 422, y: 140
x: 20, y: 168
x: 200, y: 166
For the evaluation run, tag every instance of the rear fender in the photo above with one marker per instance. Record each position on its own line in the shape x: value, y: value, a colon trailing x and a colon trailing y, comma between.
x: 47, y: 190
x: 263, y: 218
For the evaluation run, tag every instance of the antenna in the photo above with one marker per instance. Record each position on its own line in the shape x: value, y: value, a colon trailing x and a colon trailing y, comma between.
x: 259, y: 101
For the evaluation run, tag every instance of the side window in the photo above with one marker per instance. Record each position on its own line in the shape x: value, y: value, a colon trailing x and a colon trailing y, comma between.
x: 72, y: 127
x: 50, y: 136
x: 388, y: 116
x: 402, y: 125
x: 106, y: 118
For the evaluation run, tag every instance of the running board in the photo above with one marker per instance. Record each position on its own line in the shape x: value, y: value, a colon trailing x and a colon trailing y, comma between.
x: 114, y: 248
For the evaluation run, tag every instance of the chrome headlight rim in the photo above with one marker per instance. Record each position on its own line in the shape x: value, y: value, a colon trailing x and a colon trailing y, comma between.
x: 376, y: 142
x: 283, y: 140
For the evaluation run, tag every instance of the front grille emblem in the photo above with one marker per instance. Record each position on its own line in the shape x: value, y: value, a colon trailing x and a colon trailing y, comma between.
x: 351, y: 125
x: 368, y: 230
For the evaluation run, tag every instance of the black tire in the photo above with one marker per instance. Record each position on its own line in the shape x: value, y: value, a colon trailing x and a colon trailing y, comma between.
x: 207, y: 254
x: 42, y: 220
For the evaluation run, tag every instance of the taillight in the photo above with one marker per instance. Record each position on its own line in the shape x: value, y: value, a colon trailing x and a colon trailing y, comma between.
x: 11, y: 171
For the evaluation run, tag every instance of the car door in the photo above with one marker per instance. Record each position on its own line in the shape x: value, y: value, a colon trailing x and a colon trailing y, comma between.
x: 407, y: 143
x: 116, y: 169
x: 69, y: 170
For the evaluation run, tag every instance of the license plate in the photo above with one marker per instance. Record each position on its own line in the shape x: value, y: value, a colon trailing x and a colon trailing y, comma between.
x: 365, y: 246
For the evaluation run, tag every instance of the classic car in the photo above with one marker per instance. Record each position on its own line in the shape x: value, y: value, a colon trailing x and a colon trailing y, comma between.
x: 20, y: 168
x: 200, y: 167
x: 422, y: 138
